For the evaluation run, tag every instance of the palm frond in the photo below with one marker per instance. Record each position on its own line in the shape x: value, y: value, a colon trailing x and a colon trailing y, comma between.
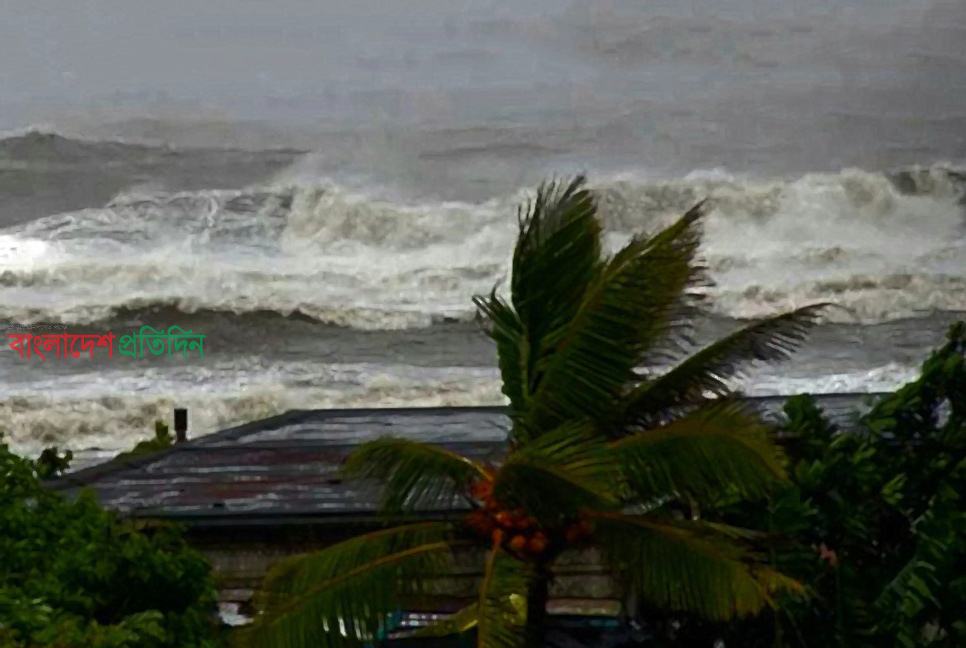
x: 556, y: 257
x: 629, y: 306
x: 701, y: 455
x: 558, y: 473
x: 502, y: 601
x: 690, y: 566
x: 709, y: 370
x: 512, y: 347
x: 502, y: 597
x: 672, y: 316
x: 413, y: 474
x: 345, y: 594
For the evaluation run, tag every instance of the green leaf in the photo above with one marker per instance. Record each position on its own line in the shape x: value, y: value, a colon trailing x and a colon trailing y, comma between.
x: 413, y: 474
x: 502, y: 601
x: 630, y: 305
x: 709, y: 370
x: 556, y: 257
x: 566, y: 469
x: 701, y: 456
x: 346, y: 594
x: 690, y: 566
x: 512, y: 347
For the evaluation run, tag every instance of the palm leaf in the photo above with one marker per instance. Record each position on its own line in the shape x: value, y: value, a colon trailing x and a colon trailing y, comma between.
x: 672, y: 317
x: 689, y: 567
x: 413, y: 474
x: 556, y: 257
x: 502, y: 597
x: 502, y: 601
x: 345, y: 594
x: 709, y: 370
x: 560, y: 472
x: 512, y: 347
x: 624, y: 312
x: 701, y: 455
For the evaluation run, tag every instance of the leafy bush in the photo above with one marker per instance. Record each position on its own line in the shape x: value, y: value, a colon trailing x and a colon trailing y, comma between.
x: 52, y: 464
x: 873, y: 521
x: 162, y: 441
x: 72, y: 574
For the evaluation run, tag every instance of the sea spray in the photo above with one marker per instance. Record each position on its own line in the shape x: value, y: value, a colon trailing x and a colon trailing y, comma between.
x: 879, y: 247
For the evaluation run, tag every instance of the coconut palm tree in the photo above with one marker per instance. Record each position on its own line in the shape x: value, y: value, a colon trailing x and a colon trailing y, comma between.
x: 600, y: 450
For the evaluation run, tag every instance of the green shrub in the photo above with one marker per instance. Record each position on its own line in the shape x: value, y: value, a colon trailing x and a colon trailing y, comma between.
x: 162, y: 441
x: 73, y: 574
x: 873, y: 521
x: 52, y: 464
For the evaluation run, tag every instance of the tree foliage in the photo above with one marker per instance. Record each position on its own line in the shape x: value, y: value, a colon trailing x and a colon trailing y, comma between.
x: 72, y: 574
x: 162, y: 441
x: 873, y: 522
x: 594, y: 440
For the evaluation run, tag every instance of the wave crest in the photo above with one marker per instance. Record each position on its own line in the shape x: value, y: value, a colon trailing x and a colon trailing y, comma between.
x: 884, y: 245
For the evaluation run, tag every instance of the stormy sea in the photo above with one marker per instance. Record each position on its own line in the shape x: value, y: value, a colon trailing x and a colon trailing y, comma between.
x: 327, y: 226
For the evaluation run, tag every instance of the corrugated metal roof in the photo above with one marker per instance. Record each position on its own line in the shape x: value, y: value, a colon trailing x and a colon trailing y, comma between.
x: 287, y: 467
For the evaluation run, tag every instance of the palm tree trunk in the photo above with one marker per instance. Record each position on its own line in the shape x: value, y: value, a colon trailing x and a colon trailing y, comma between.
x: 537, y: 599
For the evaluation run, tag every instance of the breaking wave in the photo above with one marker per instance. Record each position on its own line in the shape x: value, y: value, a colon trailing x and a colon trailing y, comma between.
x: 882, y: 245
x: 102, y: 414
x: 108, y: 413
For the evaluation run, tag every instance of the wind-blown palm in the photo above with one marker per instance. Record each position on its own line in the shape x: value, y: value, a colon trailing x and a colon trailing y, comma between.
x: 596, y: 450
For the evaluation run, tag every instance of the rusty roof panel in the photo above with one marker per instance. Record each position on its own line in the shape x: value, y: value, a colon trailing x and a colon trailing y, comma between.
x: 288, y: 465
x: 435, y: 425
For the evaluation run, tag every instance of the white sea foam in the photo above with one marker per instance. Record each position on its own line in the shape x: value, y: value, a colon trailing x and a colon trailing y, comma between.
x: 852, y: 238
x: 112, y: 411
x: 876, y: 379
x: 102, y: 414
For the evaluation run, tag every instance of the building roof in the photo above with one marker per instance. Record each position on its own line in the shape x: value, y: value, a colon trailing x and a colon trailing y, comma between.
x: 286, y: 468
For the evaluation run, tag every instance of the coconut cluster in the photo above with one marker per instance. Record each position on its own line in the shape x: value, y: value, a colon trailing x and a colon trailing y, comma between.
x: 519, y: 532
